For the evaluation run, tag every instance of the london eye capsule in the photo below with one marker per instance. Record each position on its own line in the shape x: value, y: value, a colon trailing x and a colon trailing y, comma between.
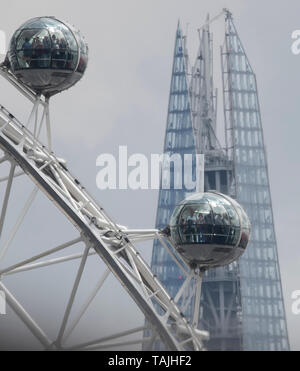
x: 47, y: 55
x: 209, y: 230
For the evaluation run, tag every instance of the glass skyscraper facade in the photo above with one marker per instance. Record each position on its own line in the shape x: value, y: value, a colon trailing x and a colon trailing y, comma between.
x: 179, y: 140
x: 242, y: 304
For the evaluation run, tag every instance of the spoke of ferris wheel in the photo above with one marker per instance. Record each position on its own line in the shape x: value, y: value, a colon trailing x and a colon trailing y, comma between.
x: 48, y: 263
x: 26, y: 318
x: 3, y: 159
x: 6, y: 197
x: 16, y: 175
x: 116, y: 345
x: 108, y: 338
x: 18, y: 223
x: 86, y: 305
x: 72, y: 297
x: 37, y: 257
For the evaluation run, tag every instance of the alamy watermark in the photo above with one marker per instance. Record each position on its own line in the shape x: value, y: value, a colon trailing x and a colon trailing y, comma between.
x: 2, y: 303
x: 168, y: 171
x: 296, y: 302
x: 2, y: 44
x: 296, y: 44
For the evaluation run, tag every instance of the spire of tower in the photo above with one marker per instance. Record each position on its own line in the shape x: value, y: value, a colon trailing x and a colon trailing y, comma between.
x: 207, y: 20
x: 179, y: 31
x: 203, y: 95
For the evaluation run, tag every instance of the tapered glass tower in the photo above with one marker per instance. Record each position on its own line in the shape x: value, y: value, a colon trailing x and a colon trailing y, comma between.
x: 242, y: 304
x: 179, y: 141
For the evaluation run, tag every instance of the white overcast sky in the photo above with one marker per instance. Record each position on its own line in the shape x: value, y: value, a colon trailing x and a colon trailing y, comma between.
x: 122, y: 99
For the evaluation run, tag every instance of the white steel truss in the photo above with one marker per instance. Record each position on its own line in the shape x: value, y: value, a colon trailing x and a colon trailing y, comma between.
x: 113, y: 243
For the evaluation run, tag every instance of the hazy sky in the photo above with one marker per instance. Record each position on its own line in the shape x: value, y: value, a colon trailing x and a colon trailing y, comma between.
x: 122, y: 99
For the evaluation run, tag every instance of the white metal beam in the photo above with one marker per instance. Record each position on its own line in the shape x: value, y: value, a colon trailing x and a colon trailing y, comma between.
x: 172, y: 255
x: 116, y: 345
x: 18, y: 223
x: 110, y: 337
x: 48, y: 126
x: 6, y: 197
x: 72, y: 297
x: 48, y: 263
x: 87, y: 304
x: 3, y: 159
x: 28, y: 93
x: 42, y: 255
x: 26, y: 318
x: 15, y: 176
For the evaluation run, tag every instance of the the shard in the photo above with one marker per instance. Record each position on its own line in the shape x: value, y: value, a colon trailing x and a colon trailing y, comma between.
x: 242, y: 304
